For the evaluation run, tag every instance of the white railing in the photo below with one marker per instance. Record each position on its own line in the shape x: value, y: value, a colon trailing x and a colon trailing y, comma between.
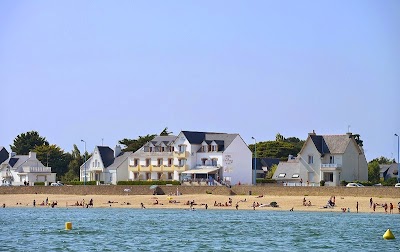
x: 36, y: 169
x: 331, y: 165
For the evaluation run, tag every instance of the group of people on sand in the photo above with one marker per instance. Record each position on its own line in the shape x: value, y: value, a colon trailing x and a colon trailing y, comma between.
x: 385, y: 206
x: 305, y: 203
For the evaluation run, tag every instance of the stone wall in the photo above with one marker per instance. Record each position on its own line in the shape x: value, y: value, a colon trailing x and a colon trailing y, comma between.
x: 382, y: 191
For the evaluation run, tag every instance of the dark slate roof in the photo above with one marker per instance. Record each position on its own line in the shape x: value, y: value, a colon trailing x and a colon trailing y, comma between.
x: 265, y: 162
x: 3, y: 154
x: 194, y: 137
x: 106, y: 154
x: 13, y: 161
x: 158, y: 140
x: 320, y: 144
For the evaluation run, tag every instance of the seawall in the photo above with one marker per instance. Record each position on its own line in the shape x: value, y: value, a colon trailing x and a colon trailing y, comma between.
x: 381, y: 191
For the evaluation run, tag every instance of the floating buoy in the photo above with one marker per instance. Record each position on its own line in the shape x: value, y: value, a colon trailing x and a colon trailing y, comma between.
x: 388, y: 235
x: 68, y: 225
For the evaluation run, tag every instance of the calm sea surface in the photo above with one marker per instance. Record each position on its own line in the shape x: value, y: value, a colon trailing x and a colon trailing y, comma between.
x: 96, y: 229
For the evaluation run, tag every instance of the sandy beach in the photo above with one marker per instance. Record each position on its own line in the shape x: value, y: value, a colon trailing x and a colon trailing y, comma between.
x: 245, y: 202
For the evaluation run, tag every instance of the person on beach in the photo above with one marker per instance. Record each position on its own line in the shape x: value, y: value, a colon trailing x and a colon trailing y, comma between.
x: 237, y: 206
x: 357, y: 206
x: 391, y: 208
x: 370, y: 202
x: 34, y: 203
x: 142, y: 205
x: 398, y: 206
x: 374, y: 206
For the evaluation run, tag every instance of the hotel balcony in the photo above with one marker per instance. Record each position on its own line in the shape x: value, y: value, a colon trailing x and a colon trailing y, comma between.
x: 154, y: 154
x: 178, y: 154
x: 181, y: 168
x: 133, y: 168
x: 38, y: 169
x: 157, y: 168
x: 145, y: 168
x: 168, y: 168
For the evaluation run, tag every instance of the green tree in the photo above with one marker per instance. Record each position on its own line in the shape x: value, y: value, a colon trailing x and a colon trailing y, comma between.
x: 271, y: 172
x: 135, y: 144
x: 277, y: 149
x: 383, y: 160
x: 54, y: 157
x: 26, y: 142
x: 76, y: 160
x: 373, y: 172
x: 165, y: 132
x: 279, y: 137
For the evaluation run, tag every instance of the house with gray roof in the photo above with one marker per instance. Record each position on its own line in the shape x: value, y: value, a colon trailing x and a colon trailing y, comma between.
x: 19, y: 169
x: 387, y: 171
x: 106, y: 165
x: 331, y: 158
x: 263, y: 166
x: 204, y: 157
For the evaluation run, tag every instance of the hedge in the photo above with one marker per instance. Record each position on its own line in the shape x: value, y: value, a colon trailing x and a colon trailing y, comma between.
x: 145, y: 182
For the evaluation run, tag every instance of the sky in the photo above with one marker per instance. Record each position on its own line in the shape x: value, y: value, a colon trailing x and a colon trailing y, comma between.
x: 102, y: 71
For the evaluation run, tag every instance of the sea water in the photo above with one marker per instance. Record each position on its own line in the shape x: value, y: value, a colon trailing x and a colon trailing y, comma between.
x: 121, y: 229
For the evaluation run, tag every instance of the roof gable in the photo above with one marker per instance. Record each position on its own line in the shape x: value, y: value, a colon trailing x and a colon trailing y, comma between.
x: 3, y: 154
x: 106, y: 155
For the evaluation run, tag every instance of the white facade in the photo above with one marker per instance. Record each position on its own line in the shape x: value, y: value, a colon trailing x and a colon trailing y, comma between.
x: 331, y: 158
x: 19, y: 169
x: 105, y: 165
x: 197, y: 156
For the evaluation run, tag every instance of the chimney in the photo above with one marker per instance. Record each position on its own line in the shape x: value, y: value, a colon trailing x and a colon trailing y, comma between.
x: 117, y: 150
x: 32, y: 155
x: 13, y: 154
x: 312, y: 134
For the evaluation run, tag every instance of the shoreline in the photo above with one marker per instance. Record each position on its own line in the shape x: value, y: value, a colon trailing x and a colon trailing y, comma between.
x: 245, y: 202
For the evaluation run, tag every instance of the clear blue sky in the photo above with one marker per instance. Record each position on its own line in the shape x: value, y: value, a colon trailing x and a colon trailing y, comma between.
x: 89, y: 70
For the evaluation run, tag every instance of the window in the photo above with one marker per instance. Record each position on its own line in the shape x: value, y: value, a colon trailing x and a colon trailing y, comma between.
x: 182, y: 148
x: 148, y: 161
x: 296, y: 175
x: 310, y: 159
x: 214, y: 148
x: 203, y: 161
x: 281, y: 175
x: 331, y: 159
x: 135, y: 162
x: 169, y: 175
x: 204, y: 148
x: 162, y: 149
x: 214, y: 161
x: 151, y: 149
x: 170, y: 161
x: 171, y: 148
x: 182, y: 162
x: 159, y: 161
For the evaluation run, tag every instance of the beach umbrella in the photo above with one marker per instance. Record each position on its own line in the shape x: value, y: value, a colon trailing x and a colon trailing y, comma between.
x: 153, y: 187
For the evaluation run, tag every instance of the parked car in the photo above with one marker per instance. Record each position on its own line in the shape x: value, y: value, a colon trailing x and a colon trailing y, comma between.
x: 397, y: 185
x: 57, y: 184
x: 354, y: 185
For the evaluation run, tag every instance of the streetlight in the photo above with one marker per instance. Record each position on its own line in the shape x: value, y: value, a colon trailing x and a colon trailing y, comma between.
x: 398, y: 157
x: 84, y: 175
x: 255, y: 162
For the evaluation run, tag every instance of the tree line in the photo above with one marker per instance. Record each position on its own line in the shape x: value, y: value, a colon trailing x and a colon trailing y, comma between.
x: 67, y: 164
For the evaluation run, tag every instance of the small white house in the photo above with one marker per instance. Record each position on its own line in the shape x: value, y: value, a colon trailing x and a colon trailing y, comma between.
x: 106, y: 165
x: 20, y: 169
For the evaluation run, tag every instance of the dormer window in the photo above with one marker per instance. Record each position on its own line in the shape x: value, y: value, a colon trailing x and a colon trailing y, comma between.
x: 151, y: 149
x: 282, y: 175
x: 214, y: 147
x: 162, y: 149
x: 204, y: 148
x: 171, y: 148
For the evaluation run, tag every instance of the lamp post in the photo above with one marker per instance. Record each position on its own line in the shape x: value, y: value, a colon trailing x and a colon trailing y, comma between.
x: 398, y: 157
x: 84, y: 174
x: 255, y: 162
